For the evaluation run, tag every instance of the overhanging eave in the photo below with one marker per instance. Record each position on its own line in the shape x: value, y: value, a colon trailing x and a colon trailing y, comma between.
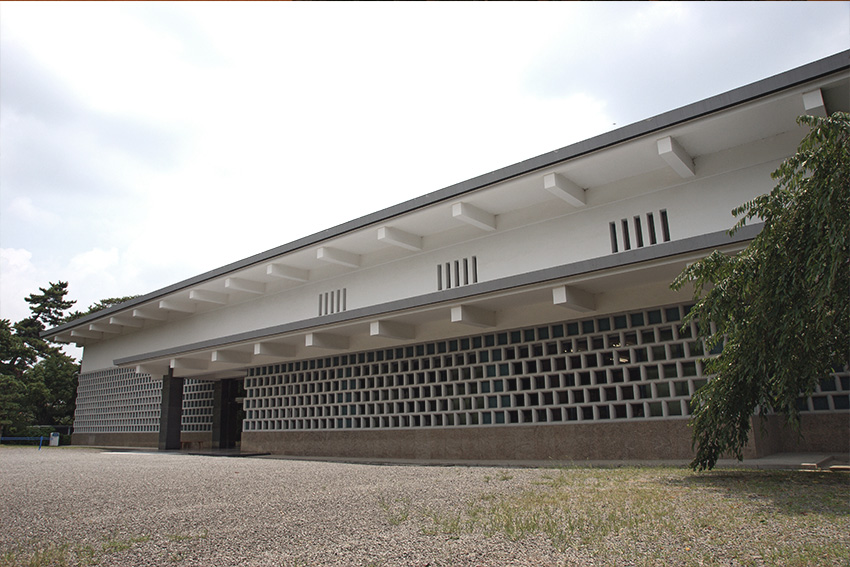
x: 584, y: 271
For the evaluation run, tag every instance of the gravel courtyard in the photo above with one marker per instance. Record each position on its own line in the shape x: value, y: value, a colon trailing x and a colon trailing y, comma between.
x: 169, y: 509
x: 77, y: 506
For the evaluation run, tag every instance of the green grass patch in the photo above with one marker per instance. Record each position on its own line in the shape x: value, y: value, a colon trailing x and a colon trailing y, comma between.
x: 45, y: 556
x: 40, y: 554
x: 396, y: 511
x: 650, y: 516
x: 117, y: 545
x: 67, y: 554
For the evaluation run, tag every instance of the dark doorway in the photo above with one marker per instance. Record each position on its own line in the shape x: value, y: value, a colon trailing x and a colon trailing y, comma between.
x: 228, y: 413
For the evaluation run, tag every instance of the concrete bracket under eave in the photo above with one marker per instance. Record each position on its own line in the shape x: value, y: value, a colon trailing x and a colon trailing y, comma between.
x: 574, y: 299
x: 475, y: 316
x: 326, y: 340
x: 676, y: 157
x: 564, y: 189
x: 392, y: 330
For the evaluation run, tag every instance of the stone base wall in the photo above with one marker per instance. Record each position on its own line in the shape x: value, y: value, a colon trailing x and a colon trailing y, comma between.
x: 148, y: 440
x: 116, y: 439
x: 635, y: 441
x: 625, y: 441
x: 200, y: 439
x: 819, y: 433
x: 667, y: 439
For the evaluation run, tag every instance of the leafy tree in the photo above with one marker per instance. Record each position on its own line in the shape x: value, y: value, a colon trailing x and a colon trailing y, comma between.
x: 13, y: 412
x: 47, y: 310
x: 781, y: 307
x: 51, y: 389
x: 15, y: 354
x: 38, y: 381
x: 15, y: 358
x: 48, y: 307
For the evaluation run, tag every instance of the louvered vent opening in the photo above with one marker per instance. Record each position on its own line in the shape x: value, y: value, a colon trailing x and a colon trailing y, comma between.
x: 639, y: 231
x: 456, y: 273
x: 332, y: 302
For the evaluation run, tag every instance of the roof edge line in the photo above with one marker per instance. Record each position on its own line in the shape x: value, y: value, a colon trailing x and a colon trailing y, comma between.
x: 582, y: 267
x: 737, y: 96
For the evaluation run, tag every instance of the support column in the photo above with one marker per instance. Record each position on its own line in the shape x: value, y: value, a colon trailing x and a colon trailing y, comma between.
x: 225, y: 426
x: 171, y: 412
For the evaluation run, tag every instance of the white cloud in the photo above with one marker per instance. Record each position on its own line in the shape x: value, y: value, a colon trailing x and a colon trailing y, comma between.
x: 29, y: 213
x: 18, y: 279
x: 93, y: 262
x: 16, y: 260
x: 90, y: 275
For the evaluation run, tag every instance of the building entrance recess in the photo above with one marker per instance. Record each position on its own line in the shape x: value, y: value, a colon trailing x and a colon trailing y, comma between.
x: 227, y: 413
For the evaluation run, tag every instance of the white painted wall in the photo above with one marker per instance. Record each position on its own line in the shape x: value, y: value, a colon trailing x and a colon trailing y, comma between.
x: 523, y: 242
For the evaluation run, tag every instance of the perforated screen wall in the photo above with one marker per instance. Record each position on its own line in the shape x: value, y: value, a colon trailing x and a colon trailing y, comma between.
x: 636, y: 365
x: 120, y: 401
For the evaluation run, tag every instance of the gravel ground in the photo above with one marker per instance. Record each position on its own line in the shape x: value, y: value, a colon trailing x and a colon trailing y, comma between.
x: 77, y: 506
x: 195, y: 510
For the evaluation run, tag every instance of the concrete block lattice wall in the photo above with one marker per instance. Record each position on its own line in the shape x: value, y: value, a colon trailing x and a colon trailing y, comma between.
x: 118, y: 400
x: 630, y: 366
x: 638, y: 367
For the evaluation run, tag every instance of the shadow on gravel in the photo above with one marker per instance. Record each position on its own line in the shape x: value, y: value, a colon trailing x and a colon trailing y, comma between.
x: 789, y: 492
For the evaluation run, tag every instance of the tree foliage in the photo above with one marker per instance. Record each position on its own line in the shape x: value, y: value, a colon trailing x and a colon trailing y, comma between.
x: 47, y: 310
x: 38, y: 382
x: 15, y: 355
x: 13, y: 411
x: 48, y: 307
x: 51, y: 389
x: 780, y: 308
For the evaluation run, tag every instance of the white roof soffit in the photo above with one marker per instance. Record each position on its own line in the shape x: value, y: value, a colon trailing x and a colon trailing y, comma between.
x: 255, y: 274
x: 462, y: 305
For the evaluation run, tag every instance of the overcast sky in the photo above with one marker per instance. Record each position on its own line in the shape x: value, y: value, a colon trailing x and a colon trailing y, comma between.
x: 144, y: 143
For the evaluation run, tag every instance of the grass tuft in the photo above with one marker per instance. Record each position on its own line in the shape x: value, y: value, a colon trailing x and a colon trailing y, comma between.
x: 397, y: 510
x: 67, y: 554
x: 650, y: 516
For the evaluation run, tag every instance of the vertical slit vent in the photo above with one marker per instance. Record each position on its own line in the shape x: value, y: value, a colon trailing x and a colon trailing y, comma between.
x: 613, y: 227
x: 665, y: 227
x: 638, y: 232
x: 650, y: 226
x: 627, y: 244
x: 332, y: 302
x: 456, y: 273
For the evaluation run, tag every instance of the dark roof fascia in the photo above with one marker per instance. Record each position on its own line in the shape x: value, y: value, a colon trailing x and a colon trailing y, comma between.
x: 741, y: 95
x: 583, y: 267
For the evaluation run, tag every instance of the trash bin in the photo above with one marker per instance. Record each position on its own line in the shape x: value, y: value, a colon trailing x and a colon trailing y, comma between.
x: 54, y: 439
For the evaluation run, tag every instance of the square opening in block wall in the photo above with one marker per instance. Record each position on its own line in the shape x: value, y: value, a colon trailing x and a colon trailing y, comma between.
x: 526, y: 363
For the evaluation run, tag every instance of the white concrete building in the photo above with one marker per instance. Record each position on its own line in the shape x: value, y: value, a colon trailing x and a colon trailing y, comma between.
x: 522, y: 314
